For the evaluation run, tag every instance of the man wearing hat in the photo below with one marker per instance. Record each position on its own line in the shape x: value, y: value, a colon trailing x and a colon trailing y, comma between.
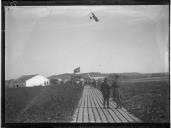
x: 105, y: 89
x: 116, y: 92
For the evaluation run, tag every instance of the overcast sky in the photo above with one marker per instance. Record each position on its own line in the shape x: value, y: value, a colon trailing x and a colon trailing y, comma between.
x: 53, y: 40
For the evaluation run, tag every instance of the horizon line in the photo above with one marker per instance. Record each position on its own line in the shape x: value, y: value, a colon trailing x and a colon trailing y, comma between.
x: 96, y: 72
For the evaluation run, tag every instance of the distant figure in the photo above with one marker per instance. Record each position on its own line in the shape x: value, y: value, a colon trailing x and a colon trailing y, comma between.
x: 116, y: 92
x: 99, y: 84
x: 112, y: 90
x: 94, y: 83
x: 105, y: 89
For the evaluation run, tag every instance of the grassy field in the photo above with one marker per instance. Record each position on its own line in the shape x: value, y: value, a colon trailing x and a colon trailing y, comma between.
x: 54, y: 103
x: 148, y: 100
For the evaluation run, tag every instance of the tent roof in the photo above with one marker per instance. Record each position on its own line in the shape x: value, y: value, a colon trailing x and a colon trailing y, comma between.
x: 24, y: 78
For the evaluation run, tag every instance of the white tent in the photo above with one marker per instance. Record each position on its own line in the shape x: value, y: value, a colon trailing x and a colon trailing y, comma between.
x: 31, y: 80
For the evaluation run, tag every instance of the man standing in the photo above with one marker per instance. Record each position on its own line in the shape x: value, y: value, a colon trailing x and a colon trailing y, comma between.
x: 105, y: 89
x: 94, y: 83
x: 116, y: 92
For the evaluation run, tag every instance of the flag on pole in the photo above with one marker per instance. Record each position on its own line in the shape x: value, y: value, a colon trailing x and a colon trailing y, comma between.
x: 77, y: 70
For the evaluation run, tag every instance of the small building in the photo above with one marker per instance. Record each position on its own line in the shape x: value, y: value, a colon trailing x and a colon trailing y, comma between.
x: 66, y: 80
x: 31, y: 80
x: 77, y: 82
x: 53, y: 81
x: 59, y: 80
x: 98, y: 78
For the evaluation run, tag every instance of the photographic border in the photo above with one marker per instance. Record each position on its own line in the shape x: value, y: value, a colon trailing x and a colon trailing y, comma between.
x: 70, y: 3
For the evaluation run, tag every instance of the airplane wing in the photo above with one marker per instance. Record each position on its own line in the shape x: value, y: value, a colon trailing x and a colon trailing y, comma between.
x: 94, y: 17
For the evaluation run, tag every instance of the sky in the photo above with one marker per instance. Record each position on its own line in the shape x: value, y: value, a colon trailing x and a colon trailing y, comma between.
x: 50, y: 40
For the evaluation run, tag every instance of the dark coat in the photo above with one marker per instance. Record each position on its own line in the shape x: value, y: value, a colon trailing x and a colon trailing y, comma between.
x: 105, y: 89
x: 116, y: 90
x: 115, y: 84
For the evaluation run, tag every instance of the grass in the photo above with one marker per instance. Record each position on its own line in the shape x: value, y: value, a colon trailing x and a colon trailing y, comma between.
x: 147, y: 100
x: 55, y: 103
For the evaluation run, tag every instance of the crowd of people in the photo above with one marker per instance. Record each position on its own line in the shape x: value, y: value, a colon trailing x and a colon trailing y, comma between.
x: 110, y: 90
x: 108, y: 87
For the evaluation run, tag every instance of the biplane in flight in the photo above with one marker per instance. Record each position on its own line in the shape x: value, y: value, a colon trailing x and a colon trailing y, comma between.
x: 94, y: 17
